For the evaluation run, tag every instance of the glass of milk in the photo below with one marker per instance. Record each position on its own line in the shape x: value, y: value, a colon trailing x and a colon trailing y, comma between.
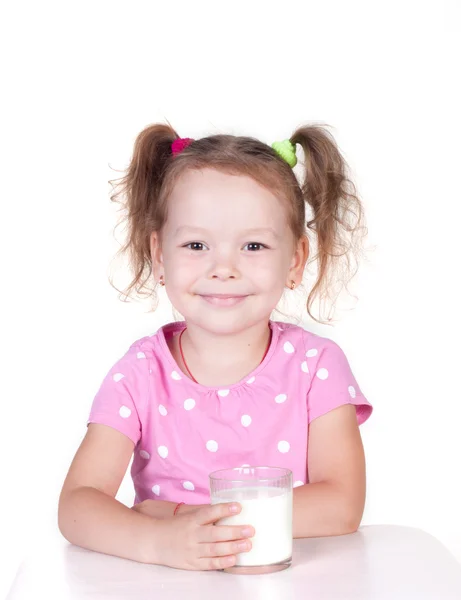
x: 266, y: 497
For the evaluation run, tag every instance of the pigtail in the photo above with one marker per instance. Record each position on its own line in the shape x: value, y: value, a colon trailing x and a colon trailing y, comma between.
x: 337, y: 215
x: 137, y: 192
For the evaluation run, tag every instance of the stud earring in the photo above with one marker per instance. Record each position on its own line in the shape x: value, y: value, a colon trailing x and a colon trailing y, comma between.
x: 293, y: 285
x: 162, y: 281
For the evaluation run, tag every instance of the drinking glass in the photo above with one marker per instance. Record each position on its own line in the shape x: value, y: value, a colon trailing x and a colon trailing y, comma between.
x: 266, y: 497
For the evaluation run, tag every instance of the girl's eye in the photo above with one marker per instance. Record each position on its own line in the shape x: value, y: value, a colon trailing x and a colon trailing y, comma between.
x: 197, y: 246
x: 255, y: 246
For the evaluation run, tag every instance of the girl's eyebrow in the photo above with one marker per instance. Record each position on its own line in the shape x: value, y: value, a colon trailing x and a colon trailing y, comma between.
x: 256, y: 230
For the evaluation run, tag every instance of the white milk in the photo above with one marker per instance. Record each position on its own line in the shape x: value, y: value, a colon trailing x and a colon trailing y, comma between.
x: 270, y: 511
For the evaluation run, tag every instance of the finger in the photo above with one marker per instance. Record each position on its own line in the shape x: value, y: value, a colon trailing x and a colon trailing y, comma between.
x: 219, y: 549
x: 217, y: 563
x: 224, y: 533
x: 214, y: 512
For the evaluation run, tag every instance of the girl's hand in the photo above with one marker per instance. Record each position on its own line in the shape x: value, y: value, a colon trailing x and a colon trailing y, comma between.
x: 189, y: 508
x: 157, y: 509
x: 190, y: 540
x: 161, y: 509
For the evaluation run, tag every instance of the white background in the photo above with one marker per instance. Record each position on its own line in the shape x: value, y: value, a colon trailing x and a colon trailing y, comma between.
x: 81, y: 79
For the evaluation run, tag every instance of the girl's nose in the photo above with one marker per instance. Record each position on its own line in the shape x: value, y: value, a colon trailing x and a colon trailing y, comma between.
x: 224, y: 268
x: 224, y: 272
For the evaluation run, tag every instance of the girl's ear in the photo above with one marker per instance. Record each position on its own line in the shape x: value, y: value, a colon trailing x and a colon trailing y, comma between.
x: 298, y: 262
x: 156, y: 255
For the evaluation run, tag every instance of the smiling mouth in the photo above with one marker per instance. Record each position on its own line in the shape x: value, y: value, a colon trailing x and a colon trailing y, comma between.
x: 222, y: 299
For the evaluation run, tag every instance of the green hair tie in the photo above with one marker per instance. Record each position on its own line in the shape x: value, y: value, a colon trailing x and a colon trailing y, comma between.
x: 287, y: 151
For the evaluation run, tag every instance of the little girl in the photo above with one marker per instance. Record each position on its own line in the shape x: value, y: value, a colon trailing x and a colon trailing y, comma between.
x: 221, y: 223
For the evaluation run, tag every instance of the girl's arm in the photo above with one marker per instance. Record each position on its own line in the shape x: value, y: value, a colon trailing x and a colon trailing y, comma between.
x: 332, y: 502
x: 90, y: 516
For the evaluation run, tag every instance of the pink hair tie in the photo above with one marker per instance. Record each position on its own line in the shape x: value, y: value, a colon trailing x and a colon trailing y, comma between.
x: 179, y: 144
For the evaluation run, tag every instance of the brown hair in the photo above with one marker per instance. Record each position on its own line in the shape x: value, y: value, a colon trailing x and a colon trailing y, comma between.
x: 336, y: 214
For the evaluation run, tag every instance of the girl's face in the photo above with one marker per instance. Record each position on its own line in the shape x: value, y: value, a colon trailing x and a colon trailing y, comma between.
x: 226, y: 251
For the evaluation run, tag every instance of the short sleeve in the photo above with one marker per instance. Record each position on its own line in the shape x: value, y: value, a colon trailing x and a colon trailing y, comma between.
x: 332, y: 381
x: 122, y: 395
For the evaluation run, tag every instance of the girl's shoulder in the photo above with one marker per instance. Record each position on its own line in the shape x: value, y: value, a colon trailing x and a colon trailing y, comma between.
x: 327, y: 377
x: 296, y: 339
x: 156, y: 343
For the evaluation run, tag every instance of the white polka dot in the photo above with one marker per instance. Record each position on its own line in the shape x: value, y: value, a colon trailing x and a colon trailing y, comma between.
x: 141, y: 355
x: 251, y: 380
x: 246, y: 420
x: 280, y: 398
x: 322, y: 373
x: 144, y: 454
x: 304, y: 367
x: 162, y: 410
x: 189, y: 404
x: 352, y: 391
x: 124, y: 412
x: 283, y: 447
x: 188, y: 485
x: 163, y: 451
x: 118, y: 376
x: 212, y: 446
x: 175, y: 375
x: 288, y: 347
x: 298, y: 483
x: 311, y: 353
x: 156, y: 490
x: 245, y: 465
x: 223, y: 393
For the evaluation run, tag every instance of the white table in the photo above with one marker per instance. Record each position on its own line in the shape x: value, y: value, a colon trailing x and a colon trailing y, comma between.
x: 376, y: 562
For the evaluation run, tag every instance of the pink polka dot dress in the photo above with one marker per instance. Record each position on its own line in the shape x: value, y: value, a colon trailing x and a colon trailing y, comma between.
x: 183, y: 431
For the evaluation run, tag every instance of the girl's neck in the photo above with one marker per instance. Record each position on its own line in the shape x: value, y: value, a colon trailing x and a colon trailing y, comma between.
x: 220, y: 360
